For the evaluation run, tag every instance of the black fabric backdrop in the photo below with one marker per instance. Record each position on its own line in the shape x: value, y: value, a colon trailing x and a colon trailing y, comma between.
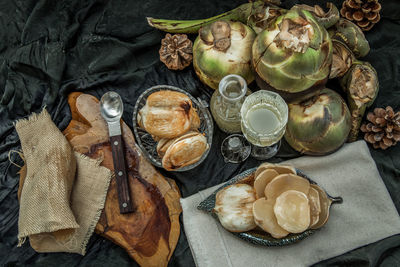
x: 51, y: 48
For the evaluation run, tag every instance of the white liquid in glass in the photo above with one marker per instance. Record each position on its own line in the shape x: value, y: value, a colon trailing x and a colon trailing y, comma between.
x: 263, y: 120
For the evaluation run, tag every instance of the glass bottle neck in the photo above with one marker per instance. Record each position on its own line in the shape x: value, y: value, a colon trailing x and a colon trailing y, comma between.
x: 232, y: 88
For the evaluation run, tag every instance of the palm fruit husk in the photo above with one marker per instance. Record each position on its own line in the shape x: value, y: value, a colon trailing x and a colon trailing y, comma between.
x: 262, y: 15
x: 361, y: 86
x: 326, y: 19
x: 342, y: 59
x: 351, y: 35
x: 222, y: 48
x: 319, y: 125
x: 293, y: 55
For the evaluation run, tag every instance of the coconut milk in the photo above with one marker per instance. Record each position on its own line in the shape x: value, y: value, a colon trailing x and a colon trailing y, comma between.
x: 262, y: 119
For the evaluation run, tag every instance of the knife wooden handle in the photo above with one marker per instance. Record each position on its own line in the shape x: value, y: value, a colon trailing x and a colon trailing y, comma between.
x: 124, y: 198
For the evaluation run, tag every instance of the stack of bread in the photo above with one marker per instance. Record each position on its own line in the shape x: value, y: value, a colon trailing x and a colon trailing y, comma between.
x: 279, y: 202
x: 171, y: 119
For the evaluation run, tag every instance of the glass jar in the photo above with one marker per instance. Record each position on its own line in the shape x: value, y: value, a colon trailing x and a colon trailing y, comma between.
x: 226, y: 103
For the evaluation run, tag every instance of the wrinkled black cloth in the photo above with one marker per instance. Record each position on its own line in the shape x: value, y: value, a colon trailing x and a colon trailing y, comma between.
x: 51, y: 48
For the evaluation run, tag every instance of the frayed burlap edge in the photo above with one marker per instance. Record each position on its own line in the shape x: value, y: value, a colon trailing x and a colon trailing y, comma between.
x: 34, y: 117
x: 20, y: 124
x: 96, y: 163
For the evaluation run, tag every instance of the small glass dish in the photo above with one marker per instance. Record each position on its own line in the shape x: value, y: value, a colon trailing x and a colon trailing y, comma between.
x: 146, y: 142
x: 235, y: 148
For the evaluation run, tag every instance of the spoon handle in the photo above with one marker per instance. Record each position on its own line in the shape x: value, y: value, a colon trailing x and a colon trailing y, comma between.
x: 124, y: 199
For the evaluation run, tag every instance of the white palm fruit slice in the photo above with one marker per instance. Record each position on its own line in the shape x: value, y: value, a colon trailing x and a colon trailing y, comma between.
x: 234, y: 207
x: 292, y: 211
x: 315, y: 207
x: 281, y: 169
x: 263, y: 211
x: 262, y: 180
x: 325, y: 204
x: 285, y: 182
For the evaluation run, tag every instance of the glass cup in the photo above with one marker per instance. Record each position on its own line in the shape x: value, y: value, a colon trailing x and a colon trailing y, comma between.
x: 264, y: 115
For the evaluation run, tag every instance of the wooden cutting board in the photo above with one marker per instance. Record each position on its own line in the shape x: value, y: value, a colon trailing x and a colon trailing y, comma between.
x: 150, y: 234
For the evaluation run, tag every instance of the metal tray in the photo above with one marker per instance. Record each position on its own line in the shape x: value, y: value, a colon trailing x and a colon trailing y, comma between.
x: 259, y: 237
x: 146, y: 142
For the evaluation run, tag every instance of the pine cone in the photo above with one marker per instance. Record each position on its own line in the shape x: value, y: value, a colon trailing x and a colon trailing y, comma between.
x: 383, y: 128
x: 176, y: 51
x: 365, y: 13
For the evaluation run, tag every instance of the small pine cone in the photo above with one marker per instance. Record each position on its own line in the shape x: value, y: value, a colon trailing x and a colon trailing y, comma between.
x: 176, y: 51
x: 383, y: 128
x: 365, y: 13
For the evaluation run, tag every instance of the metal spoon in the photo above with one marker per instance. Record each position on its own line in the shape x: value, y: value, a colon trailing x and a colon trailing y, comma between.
x: 111, y: 108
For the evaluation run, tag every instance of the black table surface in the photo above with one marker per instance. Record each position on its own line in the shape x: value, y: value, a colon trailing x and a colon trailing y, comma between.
x: 51, y: 48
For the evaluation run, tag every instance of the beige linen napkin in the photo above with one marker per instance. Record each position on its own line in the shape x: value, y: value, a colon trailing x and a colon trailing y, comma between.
x: 63, y: 192
x: 366, y: 215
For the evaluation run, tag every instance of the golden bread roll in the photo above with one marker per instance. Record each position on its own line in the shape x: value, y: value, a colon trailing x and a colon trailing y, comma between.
x: 168, y: 114
x: 182, y: 151
x: 163, y: 145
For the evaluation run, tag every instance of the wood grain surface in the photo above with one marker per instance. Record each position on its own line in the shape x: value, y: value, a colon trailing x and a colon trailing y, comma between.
x: 151, y: 232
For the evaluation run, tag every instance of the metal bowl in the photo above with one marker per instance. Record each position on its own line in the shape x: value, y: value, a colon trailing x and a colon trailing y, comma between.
x: 259, y: 237
x: 146, y: 142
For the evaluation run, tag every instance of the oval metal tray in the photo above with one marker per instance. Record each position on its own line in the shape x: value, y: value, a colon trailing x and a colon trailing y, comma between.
x: 259, y: 237
x: 146, y: 142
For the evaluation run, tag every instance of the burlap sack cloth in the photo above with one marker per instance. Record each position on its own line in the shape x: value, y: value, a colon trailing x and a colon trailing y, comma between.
x: 63, y: 193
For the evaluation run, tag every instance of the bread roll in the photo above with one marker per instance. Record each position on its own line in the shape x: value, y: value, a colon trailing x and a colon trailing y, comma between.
x: 168, y: 114
x: 182, y: 151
